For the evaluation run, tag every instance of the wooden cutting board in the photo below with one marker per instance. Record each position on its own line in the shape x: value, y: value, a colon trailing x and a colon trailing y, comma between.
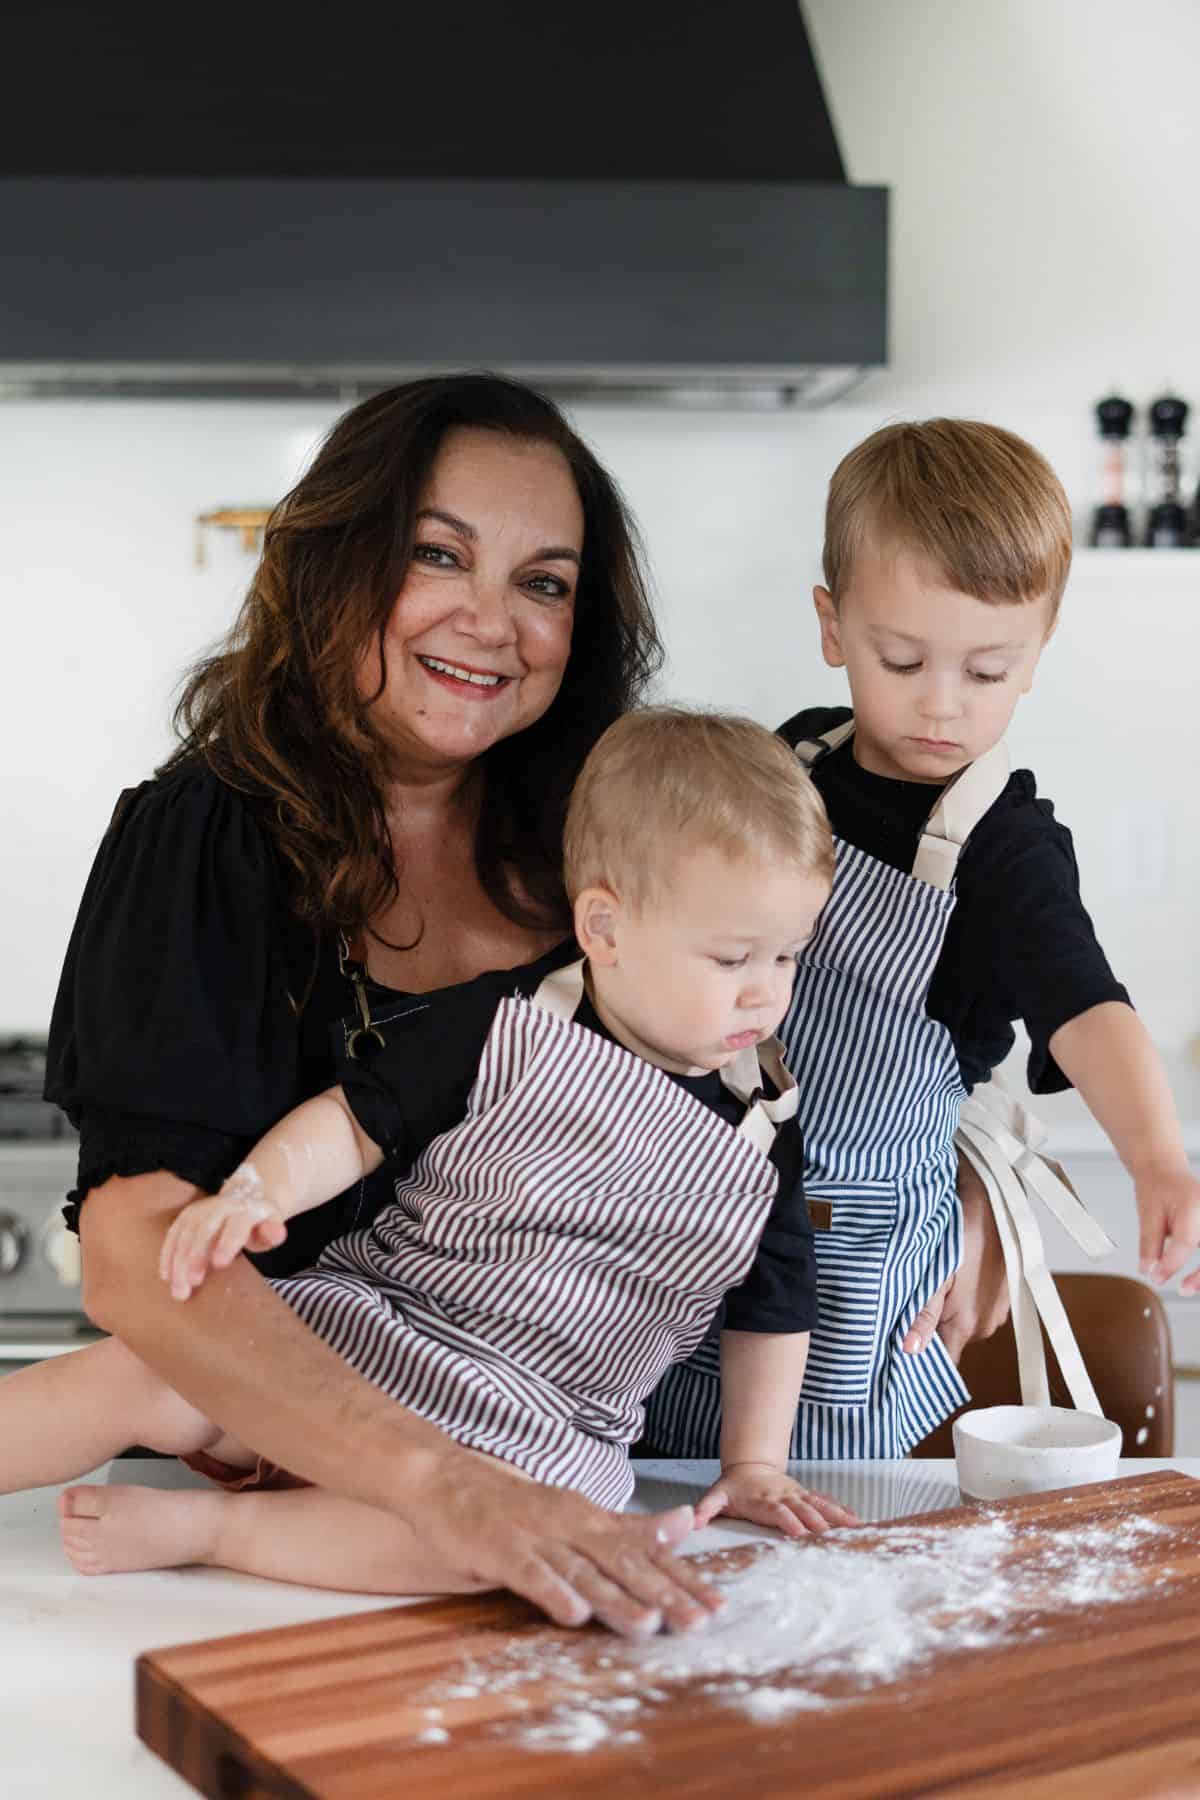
x: 1079, y: 1701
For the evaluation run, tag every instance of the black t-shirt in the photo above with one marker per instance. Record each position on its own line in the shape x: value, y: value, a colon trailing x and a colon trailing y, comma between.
x: 193, y: 1009
x: 417, y: 1086
x: 1019, y: 944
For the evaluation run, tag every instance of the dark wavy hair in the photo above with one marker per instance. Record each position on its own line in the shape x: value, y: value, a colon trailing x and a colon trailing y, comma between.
x: 276, y: 712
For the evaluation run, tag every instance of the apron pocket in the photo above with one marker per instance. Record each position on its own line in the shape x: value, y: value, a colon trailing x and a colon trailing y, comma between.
x: 852, y: 1261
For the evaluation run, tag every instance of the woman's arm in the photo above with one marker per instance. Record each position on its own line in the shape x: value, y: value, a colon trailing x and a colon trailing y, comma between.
x: 239, y: 1353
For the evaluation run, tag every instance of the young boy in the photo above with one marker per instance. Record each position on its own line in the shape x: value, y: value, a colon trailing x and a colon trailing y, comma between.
x: 590, y: 1161
x: 947, y: 549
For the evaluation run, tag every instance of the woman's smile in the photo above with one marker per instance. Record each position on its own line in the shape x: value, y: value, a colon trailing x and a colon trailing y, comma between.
x: 471, y: 683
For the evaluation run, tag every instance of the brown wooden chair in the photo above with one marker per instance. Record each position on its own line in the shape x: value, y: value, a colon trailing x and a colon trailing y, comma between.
x: 1121, y: 1328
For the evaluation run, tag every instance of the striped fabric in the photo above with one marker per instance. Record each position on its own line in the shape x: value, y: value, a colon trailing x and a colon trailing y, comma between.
x: 880, y: 1093
x: 545, y: 1261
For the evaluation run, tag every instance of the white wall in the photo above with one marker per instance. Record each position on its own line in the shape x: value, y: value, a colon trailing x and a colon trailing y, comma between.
x: 1043, y: 251
x: 1041, y: 156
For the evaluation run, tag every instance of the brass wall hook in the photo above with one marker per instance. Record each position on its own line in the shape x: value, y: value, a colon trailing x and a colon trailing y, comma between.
x: 250, y: 521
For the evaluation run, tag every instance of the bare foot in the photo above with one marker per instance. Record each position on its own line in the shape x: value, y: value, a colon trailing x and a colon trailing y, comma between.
x: 110, y: 1530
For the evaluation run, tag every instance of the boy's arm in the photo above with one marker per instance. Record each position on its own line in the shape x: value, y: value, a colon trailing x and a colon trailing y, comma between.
x: 314, y: 1152
x: 1106, y: 1052
x: 761, y: 1372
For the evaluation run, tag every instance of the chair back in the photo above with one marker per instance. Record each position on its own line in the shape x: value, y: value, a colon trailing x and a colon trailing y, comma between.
x: 1121, y: 1327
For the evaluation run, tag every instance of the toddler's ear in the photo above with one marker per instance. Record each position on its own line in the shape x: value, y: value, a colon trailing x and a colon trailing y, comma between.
x: 831, y: 631
x: 596, y: 911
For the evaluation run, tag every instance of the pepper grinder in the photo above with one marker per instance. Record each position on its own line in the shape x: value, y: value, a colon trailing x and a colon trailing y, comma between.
x: 1166, y: 521
x: 1110, y: 522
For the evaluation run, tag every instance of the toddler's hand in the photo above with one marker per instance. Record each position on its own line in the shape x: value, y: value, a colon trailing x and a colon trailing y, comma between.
x: 209, y: 1234
x: 1168, y: 1204
x: 767, y: 1495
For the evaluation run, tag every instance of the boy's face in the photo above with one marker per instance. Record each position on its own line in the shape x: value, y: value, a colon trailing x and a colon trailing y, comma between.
x: 707, y: 969
x: 935, y: 674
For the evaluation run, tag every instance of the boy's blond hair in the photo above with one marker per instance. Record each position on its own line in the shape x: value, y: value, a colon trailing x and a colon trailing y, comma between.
x: 980, y: 502
x: 668, y: 779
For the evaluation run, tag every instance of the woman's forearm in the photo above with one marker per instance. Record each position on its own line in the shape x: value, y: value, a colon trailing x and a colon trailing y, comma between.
x: 239, y: 1353
x: 236, y: 1351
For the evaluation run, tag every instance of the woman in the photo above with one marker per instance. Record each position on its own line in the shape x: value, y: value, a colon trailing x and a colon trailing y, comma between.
x: 366, y: 806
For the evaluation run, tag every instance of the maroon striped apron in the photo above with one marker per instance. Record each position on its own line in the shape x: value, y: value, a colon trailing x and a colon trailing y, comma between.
x: 545, y: 1260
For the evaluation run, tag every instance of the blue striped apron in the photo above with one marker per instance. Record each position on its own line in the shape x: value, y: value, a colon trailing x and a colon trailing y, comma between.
x: 880, y: 1092
x: 546, y: 1259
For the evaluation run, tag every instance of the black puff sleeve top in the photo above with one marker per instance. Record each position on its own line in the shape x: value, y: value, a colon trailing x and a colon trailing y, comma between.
x: 178, y: 1035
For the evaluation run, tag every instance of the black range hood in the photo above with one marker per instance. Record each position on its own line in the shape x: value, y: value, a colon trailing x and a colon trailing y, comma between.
x: 631, y: 197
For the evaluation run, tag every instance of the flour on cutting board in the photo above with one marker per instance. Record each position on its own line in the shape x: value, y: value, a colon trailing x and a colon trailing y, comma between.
x: 813, y: 1625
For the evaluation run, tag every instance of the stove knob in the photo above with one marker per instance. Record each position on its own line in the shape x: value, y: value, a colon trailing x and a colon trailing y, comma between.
x: 61, y: 1250
x: 12, y: 1242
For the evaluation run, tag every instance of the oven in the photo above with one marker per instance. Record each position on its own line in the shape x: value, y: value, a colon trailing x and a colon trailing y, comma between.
x: 40, y: 1311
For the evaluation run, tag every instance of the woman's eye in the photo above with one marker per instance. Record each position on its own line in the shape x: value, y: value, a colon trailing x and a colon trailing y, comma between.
x: 436, y: 555
x: 978, y: 675
x: 549, y: 587
x: 900, y: 668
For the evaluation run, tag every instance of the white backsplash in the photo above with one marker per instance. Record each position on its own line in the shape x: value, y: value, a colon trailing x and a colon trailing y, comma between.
x: 104, y: 607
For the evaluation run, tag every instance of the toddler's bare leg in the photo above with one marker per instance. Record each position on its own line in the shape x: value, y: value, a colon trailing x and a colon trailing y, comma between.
x: 64, y: 1417
x: 299, y: 1534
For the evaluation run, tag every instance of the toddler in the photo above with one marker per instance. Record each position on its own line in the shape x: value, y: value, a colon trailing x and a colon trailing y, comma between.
x: 593, y: 1160
x: 956, y: 910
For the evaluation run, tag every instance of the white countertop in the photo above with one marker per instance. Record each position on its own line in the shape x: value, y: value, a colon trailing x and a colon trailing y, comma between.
x: 68, y: 1643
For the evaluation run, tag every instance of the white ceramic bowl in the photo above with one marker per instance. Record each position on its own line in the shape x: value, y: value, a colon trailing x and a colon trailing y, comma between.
x: 1003, y: 1450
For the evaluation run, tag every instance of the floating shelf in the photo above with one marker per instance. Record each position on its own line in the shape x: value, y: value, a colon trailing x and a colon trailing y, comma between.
x: 1139, y: 560
x: 1173, y: 566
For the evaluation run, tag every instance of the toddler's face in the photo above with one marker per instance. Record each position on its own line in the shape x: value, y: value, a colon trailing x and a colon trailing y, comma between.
x: 935, y: 674
x: 708, y: 968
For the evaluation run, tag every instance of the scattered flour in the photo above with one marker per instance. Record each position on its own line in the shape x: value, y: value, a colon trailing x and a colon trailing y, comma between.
x: 245, y: 1185
x: 816, y: 1625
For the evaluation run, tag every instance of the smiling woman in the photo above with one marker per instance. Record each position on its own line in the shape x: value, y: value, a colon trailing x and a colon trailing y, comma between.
x: 373, y: 779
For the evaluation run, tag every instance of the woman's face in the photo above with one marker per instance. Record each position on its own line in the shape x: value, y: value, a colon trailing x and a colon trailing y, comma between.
x: 480, y: 633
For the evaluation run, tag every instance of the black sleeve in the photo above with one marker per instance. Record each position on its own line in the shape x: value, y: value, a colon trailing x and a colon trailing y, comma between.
x: 779, y: 1292
x: 173, y: 1042
x: 1028, y: 923
x: 417, y: 1084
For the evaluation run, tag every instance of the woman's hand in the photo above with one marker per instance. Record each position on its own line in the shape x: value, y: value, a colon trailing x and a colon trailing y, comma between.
x: 208, y: 1234
x: 974, y: 1302
x: 767, y: 1495
x: 573, y: 1559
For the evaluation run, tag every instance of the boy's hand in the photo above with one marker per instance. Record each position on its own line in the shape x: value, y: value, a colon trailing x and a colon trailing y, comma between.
x: 209, y: 1234
x: 767, y: 1495
x: 1168, y: 1204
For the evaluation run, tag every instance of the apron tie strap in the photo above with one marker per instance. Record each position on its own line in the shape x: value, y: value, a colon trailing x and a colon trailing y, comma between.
x: 962, y: 803
x: 999, y: 1138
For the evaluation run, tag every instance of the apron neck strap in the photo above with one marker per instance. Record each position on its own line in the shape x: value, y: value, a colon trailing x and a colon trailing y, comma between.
x: 561, y: 992
x: 960, y: 806
x: 811, y: 750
